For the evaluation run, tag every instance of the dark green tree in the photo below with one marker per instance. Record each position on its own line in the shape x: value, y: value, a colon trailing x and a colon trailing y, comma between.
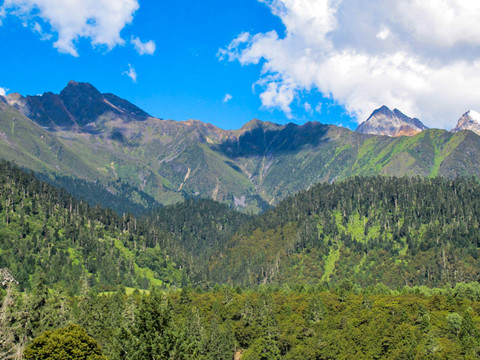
x: 68, y: 343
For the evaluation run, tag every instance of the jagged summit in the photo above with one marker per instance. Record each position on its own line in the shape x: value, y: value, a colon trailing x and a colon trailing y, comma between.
x: 79, y: 104
x: 468, y: 121
x: 384, y: 121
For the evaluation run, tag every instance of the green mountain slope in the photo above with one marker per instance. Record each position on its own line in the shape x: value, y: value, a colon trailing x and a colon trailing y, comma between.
x: 399, y: 231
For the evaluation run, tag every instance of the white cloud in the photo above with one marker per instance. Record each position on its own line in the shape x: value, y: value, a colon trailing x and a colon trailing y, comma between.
x: 101, y: 21
x: 232, y: 49
x: 143, y: 47
x: 39, y: 29
x: 227, y: 98
x: 421, y: 56
x: 318, y: 108
x: 3, y: 91
x: 308, y: 107
x: 131, y: 73
x: 383, y: 34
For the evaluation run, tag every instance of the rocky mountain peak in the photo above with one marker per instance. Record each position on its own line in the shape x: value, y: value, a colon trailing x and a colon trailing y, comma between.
x: 468, y: 121
x: 16, y: 100
x: 82, y: 89
x: 383, y: 110
x: 259, y: 125
x: 384, y: 121
x: 79, y: 104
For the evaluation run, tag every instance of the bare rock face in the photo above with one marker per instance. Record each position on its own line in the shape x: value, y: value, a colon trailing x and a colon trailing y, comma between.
x: 77, y: 106
x: 384, y: 121
x: 468, y: 121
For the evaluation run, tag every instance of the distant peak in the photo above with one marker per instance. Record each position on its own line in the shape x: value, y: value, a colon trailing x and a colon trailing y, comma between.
x: 259, y: 124
x: 383, y: 121
x: 252, y: 124
x: 14, y: 96
x: 75, y: 90
x: 82, y: 85
x: 254, y: 121
x: 474, y: 115
x: 468, y: 121
x: 382, y: 110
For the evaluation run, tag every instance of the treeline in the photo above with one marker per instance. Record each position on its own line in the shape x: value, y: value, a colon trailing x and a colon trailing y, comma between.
x: 329, y: 256
x: 301, y: 322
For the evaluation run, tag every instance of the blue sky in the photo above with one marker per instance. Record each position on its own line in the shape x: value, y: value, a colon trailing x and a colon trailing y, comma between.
x: 183, y: 79
x: 226, y: 62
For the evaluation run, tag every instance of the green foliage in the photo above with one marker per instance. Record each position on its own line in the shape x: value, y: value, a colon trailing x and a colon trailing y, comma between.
x: 399, y: 231
x: 368, y: 230
x: 116, y: 195
x: 69, y: 343
x: 198, y: 228
x: 268, y: 323
x: 44, y: 232
x: 454, y: 323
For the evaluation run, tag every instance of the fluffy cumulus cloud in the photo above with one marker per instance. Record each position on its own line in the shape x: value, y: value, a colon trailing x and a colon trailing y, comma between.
x: 3, y: 91
x: 421, y: 56
x: 131, y: 73
x: 144, y: 48
x: 101, y: 21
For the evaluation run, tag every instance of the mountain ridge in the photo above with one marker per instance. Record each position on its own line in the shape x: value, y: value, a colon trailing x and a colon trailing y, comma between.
x: 251, y: 168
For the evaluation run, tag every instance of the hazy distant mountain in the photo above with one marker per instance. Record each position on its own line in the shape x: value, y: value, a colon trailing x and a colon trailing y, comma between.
x: 383, y: 121
x: 469, y: 121
x: 249, y: 168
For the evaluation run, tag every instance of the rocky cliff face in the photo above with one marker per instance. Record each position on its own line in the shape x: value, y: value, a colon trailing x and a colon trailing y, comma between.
x: 468, y: 121
x: 384, y: 121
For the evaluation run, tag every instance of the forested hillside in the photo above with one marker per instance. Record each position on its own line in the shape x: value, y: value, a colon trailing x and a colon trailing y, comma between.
x: 45, y: 231
x: 400, y: 231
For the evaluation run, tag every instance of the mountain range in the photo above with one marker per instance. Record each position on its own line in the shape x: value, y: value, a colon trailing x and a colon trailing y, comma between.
x: 117, y: 148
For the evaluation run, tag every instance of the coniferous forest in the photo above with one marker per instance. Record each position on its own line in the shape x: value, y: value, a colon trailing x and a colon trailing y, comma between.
x: 366, y: 268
